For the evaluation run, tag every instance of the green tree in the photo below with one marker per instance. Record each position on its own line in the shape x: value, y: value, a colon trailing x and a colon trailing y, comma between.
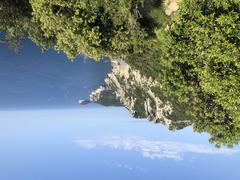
x: 97, y: 28
x: 201, y: 62
x: 15, y: 15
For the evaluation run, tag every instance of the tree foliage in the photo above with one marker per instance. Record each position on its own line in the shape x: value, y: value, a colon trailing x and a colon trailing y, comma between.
x: 201, y: 60
x: 97, y: 28
x: 14, y: 18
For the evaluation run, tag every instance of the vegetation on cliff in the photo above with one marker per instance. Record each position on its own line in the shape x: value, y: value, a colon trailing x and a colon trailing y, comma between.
x: 196, y: 57
x: 201, y: 62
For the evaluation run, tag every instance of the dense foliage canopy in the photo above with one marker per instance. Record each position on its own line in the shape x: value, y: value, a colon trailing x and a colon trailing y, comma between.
x: 98, y: 28
x: 14, y: 17
x: 201, y: 62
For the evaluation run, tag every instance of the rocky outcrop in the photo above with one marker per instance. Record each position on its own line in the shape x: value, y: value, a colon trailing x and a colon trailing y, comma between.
x: 105, y: 96
x: 142, y: 96
x: 171, y: 6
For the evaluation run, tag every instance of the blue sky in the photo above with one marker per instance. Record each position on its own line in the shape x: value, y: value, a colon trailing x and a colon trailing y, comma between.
x: 105, y: 143
x: 32, y: 79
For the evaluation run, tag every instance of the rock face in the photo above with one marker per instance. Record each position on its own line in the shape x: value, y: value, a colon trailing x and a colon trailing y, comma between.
x: 142, y: 96
x: 105, y: 96
x: 171, y: 6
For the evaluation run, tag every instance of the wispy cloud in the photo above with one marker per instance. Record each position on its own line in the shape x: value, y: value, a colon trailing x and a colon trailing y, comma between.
x: 125, y: 166
x: 150, y: 148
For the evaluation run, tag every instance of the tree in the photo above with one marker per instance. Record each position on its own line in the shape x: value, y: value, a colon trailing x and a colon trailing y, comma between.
x: 97, y: 28
x: 15, y: 15
x: 201, y: 60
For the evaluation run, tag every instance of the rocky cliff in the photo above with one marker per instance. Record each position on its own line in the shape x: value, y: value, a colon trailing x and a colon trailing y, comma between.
x: 142, y: 96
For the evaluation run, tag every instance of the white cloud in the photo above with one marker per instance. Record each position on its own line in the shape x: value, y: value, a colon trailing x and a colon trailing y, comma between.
x: 126, y: 166
x: 150, y: 148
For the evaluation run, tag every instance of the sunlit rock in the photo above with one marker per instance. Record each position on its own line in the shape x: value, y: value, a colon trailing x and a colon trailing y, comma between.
x: 171, y: 6
x: 84, y: 101
x: 141, y: 95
